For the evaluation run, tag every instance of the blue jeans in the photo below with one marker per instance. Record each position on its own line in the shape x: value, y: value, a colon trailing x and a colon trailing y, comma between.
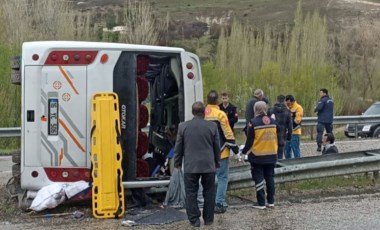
x: 294, y: 145
x: 222, y: 175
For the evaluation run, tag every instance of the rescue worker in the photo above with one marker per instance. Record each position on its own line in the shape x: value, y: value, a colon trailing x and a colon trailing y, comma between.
x: 261, y: 145
x: 227, y: 142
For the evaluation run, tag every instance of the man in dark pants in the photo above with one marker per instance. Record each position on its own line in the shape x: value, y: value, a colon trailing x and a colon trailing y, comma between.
x: 261, y: 145
x: 197, y: 145
x: 325, y: 111
x: 229, y: 109
x: 283, y: 117
x: 249, y: 113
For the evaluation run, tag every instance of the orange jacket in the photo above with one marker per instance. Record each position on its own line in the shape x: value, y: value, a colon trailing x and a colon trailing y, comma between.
x: 297, y: 114
x: 214, y: 114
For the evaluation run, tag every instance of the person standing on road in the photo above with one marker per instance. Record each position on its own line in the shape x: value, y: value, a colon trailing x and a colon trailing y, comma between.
x: 297, y: 114
x: 283, y: 117
x: 261, y: 145
x: 229, y: 109
x: 198, y: 145
x: 227, y: 142
x: 328, y: 144
x: 325, y: 112
x: 249, y: 113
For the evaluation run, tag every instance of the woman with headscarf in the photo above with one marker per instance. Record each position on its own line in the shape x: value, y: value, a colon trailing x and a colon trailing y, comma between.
x: 261, y: 145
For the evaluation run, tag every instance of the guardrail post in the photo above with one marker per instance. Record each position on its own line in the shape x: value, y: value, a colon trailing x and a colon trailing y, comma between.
x: 376, y: 176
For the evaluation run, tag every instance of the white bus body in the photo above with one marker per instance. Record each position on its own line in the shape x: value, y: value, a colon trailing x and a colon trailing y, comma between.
x: 58, y: 81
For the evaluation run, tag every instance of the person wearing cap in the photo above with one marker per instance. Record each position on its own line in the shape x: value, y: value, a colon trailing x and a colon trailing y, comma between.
x: 261, y: 146
x: 297, y: 114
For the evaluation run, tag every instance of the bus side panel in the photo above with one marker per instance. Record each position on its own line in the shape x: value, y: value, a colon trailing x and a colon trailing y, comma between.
x: 193, y: 88
x: 31, y: 139
x: 31, y: 122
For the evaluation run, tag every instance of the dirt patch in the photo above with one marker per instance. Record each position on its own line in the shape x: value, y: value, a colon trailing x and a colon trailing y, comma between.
x: 11, y: 217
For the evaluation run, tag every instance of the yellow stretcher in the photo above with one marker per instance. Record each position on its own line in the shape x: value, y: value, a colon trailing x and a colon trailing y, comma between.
x: 106, y: 156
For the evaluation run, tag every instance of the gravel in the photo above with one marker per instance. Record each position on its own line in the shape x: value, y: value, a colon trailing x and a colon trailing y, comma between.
x: 293, y: 211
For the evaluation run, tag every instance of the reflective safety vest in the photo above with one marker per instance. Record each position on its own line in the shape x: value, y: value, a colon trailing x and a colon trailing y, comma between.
x: 214, y: 114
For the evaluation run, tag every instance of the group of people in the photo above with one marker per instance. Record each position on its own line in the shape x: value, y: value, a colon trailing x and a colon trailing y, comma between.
x: 203, y: 147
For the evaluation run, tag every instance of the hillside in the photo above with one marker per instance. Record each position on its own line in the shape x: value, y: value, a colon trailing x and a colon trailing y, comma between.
x: 340, y: 14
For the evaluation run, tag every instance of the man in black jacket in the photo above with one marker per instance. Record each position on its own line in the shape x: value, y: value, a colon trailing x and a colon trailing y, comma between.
x: 283, y: 117
x: 249, y: 113
x: 328, y: 144
x: 229, y: 109
x: 198, y: 146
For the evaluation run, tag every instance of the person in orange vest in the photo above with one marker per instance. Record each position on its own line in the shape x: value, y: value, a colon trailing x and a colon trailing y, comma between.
x: 227, y: 142
x: 297, y: 114
x: 261, y: 146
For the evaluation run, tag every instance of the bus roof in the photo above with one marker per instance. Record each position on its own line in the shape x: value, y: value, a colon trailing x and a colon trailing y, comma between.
x: 43, y: 45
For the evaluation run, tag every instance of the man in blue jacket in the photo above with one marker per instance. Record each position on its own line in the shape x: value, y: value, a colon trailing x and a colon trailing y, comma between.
x: 325, y: 112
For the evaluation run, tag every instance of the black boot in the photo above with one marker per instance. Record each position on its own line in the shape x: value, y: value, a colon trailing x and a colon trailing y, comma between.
x: 319, y: 147
x: 219, y: 208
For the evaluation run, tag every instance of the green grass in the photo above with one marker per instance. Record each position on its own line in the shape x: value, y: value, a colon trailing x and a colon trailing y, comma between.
x: 333, y: 182
x: 324, y: 184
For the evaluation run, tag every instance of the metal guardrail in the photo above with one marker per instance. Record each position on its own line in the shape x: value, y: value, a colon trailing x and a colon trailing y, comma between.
x: 338, y: 120
x: 289, y: 170
x: 311, y: 168
x: 294, y: 169
x: 306, y: 121
x: 10, y: 132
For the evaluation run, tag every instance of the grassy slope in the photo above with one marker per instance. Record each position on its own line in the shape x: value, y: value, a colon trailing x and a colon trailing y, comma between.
x: 255, y: 11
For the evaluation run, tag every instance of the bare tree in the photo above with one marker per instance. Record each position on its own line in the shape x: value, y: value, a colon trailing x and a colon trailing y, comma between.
x: 27, y: 20
x: 141, y: 25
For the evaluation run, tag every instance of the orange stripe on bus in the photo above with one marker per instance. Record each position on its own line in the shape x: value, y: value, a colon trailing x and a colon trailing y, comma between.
x: 68, y: 79
x: 60, y: 157
x: 71, y: 135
